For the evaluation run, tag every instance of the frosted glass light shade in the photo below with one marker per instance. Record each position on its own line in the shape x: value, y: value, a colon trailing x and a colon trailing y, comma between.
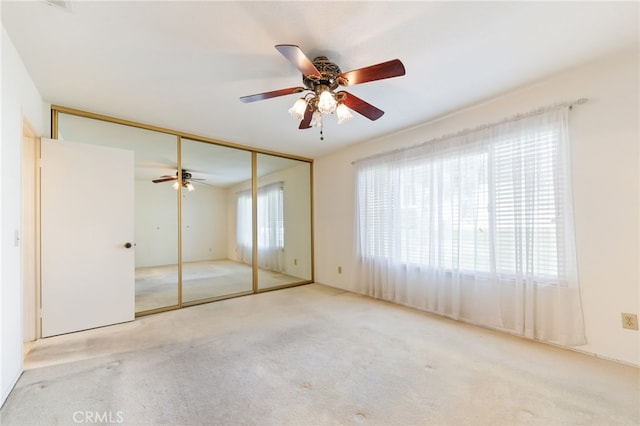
x: 298, y: 109
x: 343, y: 113
x: 327, y: 102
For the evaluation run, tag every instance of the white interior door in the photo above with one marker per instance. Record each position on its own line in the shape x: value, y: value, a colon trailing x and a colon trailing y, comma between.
x: 87, y: 203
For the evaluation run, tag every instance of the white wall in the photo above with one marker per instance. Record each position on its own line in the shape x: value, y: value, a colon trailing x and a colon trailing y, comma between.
x: 20, y: 100
x: 204, y: 220
x: 605, y: 136
x: 204, y: 223
x: 156, y: 224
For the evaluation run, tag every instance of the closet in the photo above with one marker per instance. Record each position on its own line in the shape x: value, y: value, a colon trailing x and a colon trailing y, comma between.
x: 212, y: 220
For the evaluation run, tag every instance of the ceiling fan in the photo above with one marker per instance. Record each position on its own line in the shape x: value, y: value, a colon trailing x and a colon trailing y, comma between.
x: 187, y: 177
x: 321, y: 78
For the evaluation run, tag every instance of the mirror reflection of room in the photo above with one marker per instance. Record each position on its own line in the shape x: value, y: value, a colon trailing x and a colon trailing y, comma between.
x: 210, y: 261
x: 283, y: 221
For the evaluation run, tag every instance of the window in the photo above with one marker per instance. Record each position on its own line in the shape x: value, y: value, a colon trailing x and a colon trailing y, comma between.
x: 475, y: 226
x: 491, y: 209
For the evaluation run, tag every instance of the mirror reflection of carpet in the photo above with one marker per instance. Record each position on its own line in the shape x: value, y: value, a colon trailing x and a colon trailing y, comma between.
x: 157, y: 286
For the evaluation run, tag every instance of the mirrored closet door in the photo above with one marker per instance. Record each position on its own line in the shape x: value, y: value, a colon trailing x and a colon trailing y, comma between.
x: 216, y: 248
x: 212, y: 220
x: 283, y: 221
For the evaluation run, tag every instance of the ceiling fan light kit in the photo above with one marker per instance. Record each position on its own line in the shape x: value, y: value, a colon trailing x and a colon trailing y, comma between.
x: 321, y: 78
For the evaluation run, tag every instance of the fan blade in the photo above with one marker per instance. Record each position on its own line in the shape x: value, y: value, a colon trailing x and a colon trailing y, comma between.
x: 389, y: 69
x: 165, y: 179
x: 298, y: 59
x: 305, y: 123
x: 268, y: 95
x: 362, y: 107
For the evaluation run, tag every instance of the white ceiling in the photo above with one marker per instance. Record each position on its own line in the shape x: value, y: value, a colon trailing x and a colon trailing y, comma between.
x: 183, y: 65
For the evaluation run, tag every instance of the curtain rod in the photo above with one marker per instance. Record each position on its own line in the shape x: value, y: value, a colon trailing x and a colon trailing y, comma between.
x: 463, y: 132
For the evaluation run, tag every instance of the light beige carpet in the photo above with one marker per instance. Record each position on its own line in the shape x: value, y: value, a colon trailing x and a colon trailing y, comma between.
x: 313, y: 355
x: 157, y: 286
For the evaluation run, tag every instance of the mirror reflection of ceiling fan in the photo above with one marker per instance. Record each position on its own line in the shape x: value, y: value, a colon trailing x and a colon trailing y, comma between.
x: 321, y: 78
x: 187, y: 178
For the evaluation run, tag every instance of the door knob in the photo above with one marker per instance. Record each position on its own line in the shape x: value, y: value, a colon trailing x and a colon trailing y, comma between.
x: 127, y: 245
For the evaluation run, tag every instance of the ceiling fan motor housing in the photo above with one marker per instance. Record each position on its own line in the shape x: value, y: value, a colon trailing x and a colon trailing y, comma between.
x: 329, y: 72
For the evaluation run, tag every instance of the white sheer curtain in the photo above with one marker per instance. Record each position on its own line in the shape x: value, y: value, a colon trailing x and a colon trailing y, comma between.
x: 244, y: 238
x: 476, y: 227
x: 270, y: 226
